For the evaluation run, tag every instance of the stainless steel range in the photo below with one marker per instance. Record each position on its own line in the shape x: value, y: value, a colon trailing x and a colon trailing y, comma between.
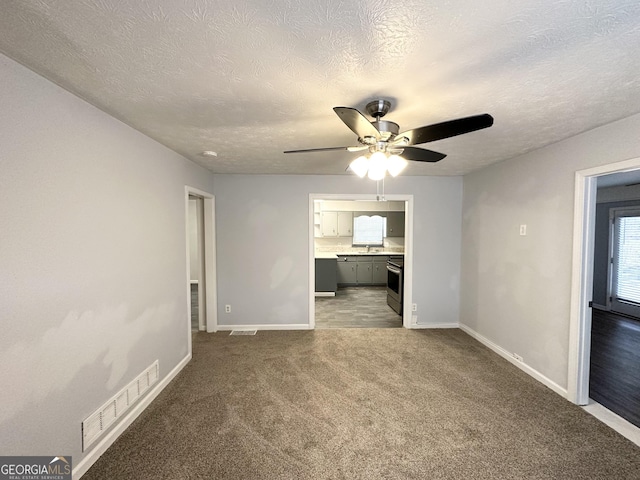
x: 395, y: 279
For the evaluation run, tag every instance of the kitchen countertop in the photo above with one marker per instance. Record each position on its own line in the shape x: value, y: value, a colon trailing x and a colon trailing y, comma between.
x: 325, y: 255
x: 330, y: 255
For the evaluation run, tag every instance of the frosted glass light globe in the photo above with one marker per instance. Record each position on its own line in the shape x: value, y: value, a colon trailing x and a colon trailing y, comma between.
x: 377, y: 166
x: 360, y: 166
x: 395, y: 165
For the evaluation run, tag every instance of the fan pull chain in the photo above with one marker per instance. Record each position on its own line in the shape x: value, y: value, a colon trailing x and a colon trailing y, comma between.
x: 380, y: 191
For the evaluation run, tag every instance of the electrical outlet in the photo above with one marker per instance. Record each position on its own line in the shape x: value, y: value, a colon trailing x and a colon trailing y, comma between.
x: 414, y: 319
x: 517, y: 357
x: 414, y: 307
x: 523, y: 230
x: 227, y: 309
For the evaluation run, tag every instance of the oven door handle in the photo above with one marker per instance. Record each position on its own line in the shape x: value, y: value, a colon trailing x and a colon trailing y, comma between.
x: 395, y: 270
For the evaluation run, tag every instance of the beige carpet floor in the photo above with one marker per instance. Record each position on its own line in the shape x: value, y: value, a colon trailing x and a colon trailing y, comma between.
x: 361, y: 404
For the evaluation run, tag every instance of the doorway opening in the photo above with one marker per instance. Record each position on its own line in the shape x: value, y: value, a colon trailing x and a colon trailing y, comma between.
x: 586, y: 273
x: 201, y: 273
x: 197, y: 280
x: 352, y: 239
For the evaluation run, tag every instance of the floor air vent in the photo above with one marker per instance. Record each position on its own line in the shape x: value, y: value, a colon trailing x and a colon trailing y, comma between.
x: 243, y: 332
x: 100, y: 420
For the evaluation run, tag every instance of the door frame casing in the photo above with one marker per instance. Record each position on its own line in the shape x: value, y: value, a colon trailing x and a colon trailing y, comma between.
x: 582, y: 275
x: 209, y: 260
x: 408, y: 248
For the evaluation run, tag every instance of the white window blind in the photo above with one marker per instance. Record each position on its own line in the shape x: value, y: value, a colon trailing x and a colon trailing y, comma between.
x: 369, y: 230
x: 628, y: 261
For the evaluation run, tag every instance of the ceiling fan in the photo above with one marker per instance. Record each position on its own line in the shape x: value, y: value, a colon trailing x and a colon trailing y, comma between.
x: 381, y: 136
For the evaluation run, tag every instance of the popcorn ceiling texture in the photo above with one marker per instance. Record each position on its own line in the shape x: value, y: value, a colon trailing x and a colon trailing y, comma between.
x: 251, y: 79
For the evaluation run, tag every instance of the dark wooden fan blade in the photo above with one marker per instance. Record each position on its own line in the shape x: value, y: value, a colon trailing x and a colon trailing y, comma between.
x: 326, y: 149
x: 421, y: 155
x: 438, y: 131
x: 357, y: 122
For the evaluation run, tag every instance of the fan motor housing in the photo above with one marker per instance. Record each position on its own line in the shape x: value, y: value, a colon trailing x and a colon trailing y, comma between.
x: 378, y: 108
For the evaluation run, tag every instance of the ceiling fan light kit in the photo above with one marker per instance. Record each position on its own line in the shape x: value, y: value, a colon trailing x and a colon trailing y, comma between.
x: 385, y: 144
x: 377, y: 166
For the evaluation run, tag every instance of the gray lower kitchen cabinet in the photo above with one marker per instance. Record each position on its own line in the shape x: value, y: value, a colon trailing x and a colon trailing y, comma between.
x: 326, y: 280
x: 364, y: 271
x: 380, y: 271
x: 347, y: 271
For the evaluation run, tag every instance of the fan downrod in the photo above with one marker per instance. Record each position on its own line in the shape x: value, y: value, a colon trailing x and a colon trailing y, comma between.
x: 378, y: 108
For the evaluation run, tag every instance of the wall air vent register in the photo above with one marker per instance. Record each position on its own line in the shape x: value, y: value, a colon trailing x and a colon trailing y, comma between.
x: 99, y: 421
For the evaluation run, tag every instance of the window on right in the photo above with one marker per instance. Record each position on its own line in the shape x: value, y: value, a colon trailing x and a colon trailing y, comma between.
x: 625, y: 264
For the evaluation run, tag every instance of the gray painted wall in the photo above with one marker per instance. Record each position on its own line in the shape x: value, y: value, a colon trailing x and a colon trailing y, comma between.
x: 516, y: 289
x: 263, y: 244
x: 92, y: 260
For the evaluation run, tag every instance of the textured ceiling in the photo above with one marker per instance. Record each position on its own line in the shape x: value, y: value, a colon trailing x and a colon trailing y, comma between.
x: 250, y: 79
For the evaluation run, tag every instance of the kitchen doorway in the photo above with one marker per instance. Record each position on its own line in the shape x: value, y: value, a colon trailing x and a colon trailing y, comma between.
x: 201, y: 265
x: 348, y: 269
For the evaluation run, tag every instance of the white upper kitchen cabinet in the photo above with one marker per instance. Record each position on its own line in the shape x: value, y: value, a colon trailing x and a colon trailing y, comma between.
x: 337, y: 224
x: 345, y: 224
x: 329, y: 224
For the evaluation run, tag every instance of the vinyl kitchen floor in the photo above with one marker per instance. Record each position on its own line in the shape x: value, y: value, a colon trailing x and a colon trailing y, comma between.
x: 356, y: 307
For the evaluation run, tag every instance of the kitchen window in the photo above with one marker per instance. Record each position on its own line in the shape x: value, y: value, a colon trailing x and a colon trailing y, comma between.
x: 369, y: 230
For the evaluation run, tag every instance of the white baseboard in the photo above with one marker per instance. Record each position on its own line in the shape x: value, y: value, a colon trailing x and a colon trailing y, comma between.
x: 325, y: 294
x: 275, y: 326
x: 433, y: 325
x: 521, y: 365
x: 110, y: 437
